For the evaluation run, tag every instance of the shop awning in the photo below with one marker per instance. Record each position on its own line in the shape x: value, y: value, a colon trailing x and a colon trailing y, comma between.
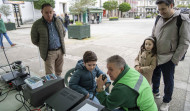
x: 95, y: 11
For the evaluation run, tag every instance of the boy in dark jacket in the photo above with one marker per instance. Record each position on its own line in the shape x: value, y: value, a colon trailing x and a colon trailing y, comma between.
x: 83, y: 79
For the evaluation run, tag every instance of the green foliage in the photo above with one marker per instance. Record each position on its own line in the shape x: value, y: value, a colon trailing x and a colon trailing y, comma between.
x: 113, y: 18
x: 137, y: 17
x: 80, y: 6
x: 181, y: 6
x: 124, y: 7
x: 148, y: 16
x: 110, y: 5
x: 78, y: 23
x: 38, y: 4
x: 5, y: 10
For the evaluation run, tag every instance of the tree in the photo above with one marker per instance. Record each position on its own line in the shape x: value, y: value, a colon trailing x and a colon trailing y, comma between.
x: 110, y: 5
x: 124, y: 7
x: 115, y: 5
x: 38, y: 4
x: 5, y: 10
x: 80, y: 6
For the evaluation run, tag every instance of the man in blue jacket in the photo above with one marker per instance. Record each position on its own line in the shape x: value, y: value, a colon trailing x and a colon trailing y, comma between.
x: 83, y: 79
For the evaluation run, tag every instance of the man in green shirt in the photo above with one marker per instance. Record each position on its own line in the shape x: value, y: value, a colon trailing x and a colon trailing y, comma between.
x: 3, y: 31
x: 131, y: 91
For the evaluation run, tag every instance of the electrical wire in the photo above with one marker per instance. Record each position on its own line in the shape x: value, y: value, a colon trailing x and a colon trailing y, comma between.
x: 3, y: 69
x: 23, y: 102
x: 15, y: 83
x: 8, y: 91
x: 5, y: 96
x: 39, y: 109
x: 3, y: 85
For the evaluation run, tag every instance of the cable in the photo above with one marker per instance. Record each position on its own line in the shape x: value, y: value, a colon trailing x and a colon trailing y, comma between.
x: 15, y: 84
x: 5, y: 96
x: 22, y: 101
x: 3, y: 85
x: 8, y: 91
x: 36, y: 110
x: 3, y: 69
x: 39, y: 109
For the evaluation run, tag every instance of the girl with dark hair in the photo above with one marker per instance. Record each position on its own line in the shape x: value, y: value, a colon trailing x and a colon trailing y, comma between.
x: 145, y: 62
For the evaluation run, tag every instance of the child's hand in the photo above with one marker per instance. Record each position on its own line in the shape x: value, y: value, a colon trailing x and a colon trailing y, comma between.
x: 87, y: 96
x: 137, y: 68
x: 140, y: 70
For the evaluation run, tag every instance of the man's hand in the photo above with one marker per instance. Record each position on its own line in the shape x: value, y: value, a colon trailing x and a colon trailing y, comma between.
x: 100, y: 82
x: 87, y: 96
x: 137, y: 67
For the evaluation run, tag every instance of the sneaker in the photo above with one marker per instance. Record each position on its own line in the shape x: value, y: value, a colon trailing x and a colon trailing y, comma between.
x: 157, y: 95
x: 13, y: 45
x: 164, y: 106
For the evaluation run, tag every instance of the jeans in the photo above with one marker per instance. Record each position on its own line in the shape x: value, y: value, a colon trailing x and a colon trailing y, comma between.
x: 94, y: 99
x: 6, y: 36
x: 167, y: 70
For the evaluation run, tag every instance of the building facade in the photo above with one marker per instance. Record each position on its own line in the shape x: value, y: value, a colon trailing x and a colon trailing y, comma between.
x: 27, y: 12
x: 146, y: 7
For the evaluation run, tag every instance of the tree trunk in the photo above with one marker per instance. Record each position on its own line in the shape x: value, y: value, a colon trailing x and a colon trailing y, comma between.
x: 7, y: 19
x: 115, y: 12
x: 78, y: 18
x: 109, y: 13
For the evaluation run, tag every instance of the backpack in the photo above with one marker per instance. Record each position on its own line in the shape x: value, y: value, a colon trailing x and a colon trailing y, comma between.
x: 179, y: 19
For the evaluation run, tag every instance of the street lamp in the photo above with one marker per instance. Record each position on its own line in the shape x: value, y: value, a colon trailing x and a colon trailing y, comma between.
x: 100, y: 3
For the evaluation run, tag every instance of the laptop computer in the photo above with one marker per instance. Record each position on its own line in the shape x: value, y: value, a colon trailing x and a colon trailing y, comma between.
x: 64, y: 100
x: 88, y: 105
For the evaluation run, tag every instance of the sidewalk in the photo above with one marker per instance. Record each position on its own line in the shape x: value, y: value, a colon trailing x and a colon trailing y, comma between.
x: 29, y: 25
x: 123, y: 37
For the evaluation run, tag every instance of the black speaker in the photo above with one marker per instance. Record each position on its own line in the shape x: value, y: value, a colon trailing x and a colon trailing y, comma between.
x: 36, y: 97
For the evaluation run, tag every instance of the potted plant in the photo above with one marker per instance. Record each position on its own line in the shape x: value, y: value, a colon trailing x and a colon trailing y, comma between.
x: 137, y: 17
x: 5, y: 10
x: 113, y: 18
x: 148, y: 16
x: 79, y: 30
